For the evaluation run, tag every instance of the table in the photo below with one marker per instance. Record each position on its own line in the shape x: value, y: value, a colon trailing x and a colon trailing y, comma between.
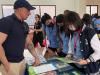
x: 63, y: 68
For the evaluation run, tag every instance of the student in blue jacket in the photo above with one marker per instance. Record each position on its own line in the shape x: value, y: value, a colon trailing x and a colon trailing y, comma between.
x: 50, y: 30
x: 63, y: 39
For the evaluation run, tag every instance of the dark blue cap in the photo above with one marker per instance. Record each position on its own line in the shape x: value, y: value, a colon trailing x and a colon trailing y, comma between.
x: 23, y: 3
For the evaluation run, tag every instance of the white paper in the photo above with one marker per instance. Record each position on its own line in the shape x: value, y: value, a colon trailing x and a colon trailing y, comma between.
x: 44, y: 68
x: 28, y: 57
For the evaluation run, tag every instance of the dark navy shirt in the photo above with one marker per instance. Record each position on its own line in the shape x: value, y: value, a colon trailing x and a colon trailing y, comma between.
x: 17, y: 32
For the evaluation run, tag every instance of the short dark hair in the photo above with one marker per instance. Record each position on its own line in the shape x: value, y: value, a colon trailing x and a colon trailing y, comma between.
x: 95, y: 15
x: 60, y: 18
x: 45, y: 17
x: 86, y: 19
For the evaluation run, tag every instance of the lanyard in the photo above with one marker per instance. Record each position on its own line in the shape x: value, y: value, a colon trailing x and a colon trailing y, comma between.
x: 75, y: 41
x: 76, y: 38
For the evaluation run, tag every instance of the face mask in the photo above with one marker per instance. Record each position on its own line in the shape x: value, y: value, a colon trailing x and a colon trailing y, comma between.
x: 72, y: 28
x: 50, y: 25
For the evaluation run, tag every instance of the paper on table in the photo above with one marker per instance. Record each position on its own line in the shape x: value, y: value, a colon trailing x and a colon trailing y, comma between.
x: 66, y: 60
x: 44, y: 68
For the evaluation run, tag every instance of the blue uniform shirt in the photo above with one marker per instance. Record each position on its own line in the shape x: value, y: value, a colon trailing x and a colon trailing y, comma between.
x: 51, y: 33
x: 65, y: 40
x: 77, y: 52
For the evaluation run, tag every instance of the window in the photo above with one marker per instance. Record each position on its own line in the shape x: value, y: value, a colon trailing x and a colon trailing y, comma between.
x: 40, y: 9
x: 7, y: 10
x: 48, y: 9
x: 31, y: 20
x: 91, y: 9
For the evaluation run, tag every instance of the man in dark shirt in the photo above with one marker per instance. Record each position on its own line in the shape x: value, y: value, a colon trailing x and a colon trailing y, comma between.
x: 13, y: 37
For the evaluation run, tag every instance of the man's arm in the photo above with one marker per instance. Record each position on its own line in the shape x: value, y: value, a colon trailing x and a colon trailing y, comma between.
x: 31, y: 49
x: 3, y: 58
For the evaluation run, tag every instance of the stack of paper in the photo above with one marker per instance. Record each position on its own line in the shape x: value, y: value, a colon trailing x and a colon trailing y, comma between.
x: 44, y: 68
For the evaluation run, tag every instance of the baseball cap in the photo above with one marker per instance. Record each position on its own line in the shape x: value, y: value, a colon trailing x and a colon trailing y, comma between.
x: 23, y: 3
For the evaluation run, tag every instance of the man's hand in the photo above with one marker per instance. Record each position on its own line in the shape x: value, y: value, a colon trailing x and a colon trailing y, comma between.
x: 6, y: 66
x: 82, y: 62
x: 37, y: 62
x: 32, y: 50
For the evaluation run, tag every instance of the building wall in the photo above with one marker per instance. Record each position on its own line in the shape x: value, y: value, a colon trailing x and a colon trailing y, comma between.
x: 61, y: 5
x: 94, y: 2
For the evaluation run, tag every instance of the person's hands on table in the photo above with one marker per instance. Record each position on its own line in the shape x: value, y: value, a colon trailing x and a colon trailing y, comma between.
x: 82, y: 62
x: 37, y: 62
